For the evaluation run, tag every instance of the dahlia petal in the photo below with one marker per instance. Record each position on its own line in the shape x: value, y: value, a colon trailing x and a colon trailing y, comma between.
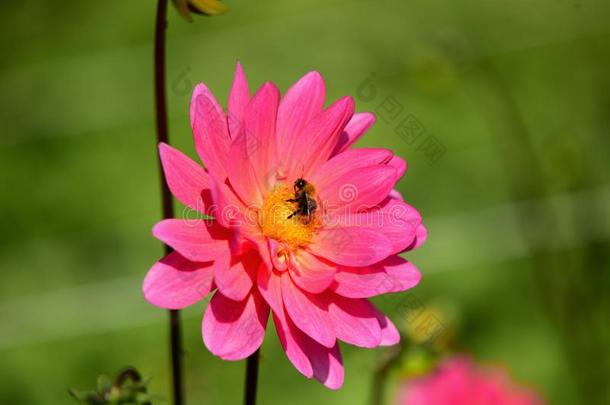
x: 238, y: 99
x: 396, y: 195
x: 261, y: 244
x: 308, y: 356
x: 270, y: 286
x: 400, y: 209
x: 254, y: 149
x: 229, y: 211
x: 400, y: 233
x: 308, y: 312
x: 233, y: 330
x: 358, y: 189
x: 242, y: 173
x: 336, y: 373
x: 195, y: 239
x: 393, y: 274
x: 279, y: 260
x: 232, y: 276
x: 311, y: 273
x: 355, y: 321
x: 399, y: 164
x: 347, y: 161
x: 210, y: 131
x: 398, y: 222
x: 289, y: 337
x: 389, y: 333
x: 404, y: 227
x: 303, y: 101
x: 259, y: 129
x: 311, y: 151
x: 420, y: 237
x: 354, y: 129
x: 187, y: 180
x: 326, y: 362
x: 351, y: 246
x: 175, y: 282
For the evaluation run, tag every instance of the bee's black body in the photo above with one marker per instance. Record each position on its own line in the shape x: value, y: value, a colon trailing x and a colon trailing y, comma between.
x: 303, y: 196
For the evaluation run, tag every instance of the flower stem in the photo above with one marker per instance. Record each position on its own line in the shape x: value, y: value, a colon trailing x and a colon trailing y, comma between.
x: 380, y: 375
x: 166, y: 197
x: 176, y: 355
x: 251, y: 379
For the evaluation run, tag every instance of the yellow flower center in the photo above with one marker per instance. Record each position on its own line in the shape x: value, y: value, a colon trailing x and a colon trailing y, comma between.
x: 277, y: 221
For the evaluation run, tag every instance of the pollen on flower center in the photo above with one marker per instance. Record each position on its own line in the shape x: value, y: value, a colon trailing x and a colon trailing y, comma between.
x: 273, y: 218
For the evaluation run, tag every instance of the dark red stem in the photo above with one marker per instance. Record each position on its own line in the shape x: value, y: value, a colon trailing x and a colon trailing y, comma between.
x: 251, y: 379
x: 166, y: 197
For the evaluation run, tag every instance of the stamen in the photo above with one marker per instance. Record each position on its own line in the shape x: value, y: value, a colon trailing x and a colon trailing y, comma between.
x: 274, y: 222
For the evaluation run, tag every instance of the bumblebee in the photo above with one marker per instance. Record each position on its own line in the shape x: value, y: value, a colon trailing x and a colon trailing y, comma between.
x: 304, y: 196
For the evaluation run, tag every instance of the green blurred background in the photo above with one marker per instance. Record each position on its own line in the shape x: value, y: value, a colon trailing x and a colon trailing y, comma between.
x: 515, y: 94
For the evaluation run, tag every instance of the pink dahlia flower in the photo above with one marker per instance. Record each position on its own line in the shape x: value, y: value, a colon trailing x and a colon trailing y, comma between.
x: 458, y: 381
x: 309, y: 252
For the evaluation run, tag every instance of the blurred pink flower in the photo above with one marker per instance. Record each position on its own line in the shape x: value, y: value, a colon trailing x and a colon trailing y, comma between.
x: 458, y: 381
x: 314, y: 267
